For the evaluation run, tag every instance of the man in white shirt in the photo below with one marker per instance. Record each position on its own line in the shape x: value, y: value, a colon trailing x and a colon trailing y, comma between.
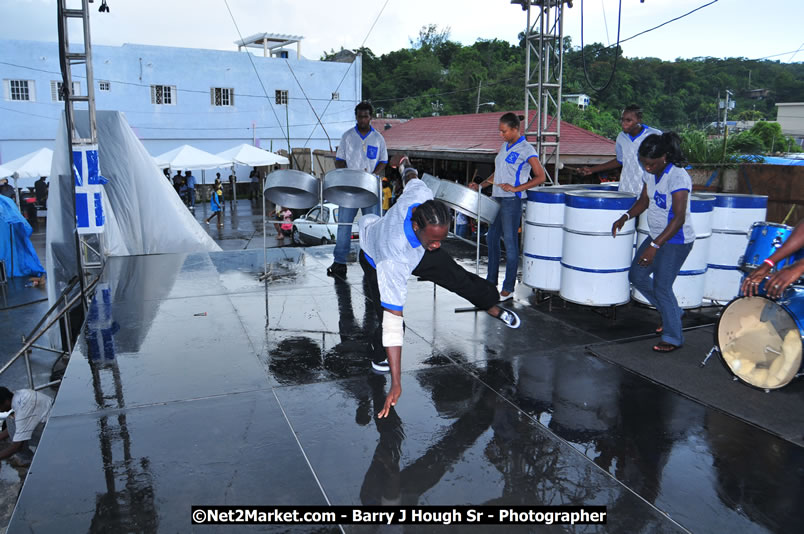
x: 30, y: 409
x: 628, y: 142
x: 408, y: 241
x: 362, y: 148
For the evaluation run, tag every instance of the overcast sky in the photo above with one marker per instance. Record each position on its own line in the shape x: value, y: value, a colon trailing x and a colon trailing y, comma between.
x: 727, y: 28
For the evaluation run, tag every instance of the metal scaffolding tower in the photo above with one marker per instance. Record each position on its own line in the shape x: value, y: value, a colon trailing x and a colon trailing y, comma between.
x: 89, y: 245
x: 544, y: 58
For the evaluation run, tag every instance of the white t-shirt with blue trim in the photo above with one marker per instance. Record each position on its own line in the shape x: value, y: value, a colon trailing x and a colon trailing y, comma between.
x: 628, y: 155
x: 363, y: 153
x: 511, y: 166
x: 660, y: 210
x: 391, y: 246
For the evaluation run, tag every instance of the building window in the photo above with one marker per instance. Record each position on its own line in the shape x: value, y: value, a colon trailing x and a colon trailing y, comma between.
x: 281, y: 96
x: 221, y: 96
x: 163, y: 94
x: 104, y: 85
x: 336, y: 96
x: 55, y: 90
x: 22, y: 90
x: 283, y: 54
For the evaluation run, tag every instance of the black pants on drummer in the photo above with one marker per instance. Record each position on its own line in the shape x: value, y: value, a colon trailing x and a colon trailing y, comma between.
x: 437, y: 267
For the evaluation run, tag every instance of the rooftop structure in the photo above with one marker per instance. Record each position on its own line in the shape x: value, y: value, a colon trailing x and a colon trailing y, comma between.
x: 269, y: 42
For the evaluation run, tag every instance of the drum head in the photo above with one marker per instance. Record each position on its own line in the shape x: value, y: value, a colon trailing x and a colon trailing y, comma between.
x: 759, y: 342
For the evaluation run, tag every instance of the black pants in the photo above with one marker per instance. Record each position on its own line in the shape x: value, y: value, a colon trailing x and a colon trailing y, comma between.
x: 437, y: 267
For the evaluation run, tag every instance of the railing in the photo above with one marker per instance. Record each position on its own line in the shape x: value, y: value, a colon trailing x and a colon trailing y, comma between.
x: 53, y: 316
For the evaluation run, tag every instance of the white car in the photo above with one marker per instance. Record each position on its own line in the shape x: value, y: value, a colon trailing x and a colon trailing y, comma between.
x: 319, y: 226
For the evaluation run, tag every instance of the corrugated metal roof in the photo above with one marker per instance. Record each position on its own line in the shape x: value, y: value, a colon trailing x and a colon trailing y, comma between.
x: 478, y: 133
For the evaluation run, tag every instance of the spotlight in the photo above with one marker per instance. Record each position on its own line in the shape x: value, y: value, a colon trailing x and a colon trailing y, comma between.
x: 103, y: 8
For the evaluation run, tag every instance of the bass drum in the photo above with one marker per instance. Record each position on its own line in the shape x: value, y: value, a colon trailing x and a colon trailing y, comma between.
x: 760, y: 339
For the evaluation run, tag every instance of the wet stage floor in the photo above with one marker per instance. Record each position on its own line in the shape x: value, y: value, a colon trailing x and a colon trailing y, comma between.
x: 188, y: 386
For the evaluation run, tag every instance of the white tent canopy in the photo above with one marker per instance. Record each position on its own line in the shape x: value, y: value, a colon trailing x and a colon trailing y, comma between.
x: 252, y: 156
x: 187, y: 157
x: 28, y: 168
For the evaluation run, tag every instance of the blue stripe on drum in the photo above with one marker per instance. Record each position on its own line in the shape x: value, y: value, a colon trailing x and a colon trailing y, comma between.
x: 696, y: 272
x: 723, y: 267
x: 546, y: 197
x: 577, y: 199
x: 537, y: 257
x: 599, y: 271
x: 741, y: 201
x: 702, y: 206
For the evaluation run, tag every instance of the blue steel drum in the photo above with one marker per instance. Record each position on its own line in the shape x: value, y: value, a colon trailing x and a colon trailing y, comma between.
x: 760, y: 339
x: 763, y: 240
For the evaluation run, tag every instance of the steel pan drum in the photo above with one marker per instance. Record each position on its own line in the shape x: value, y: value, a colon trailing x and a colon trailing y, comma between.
x: 291, y: 189
x: 760, y: 339
x: 463, y: 199
x: 351, y: 188
x: 432, y: 182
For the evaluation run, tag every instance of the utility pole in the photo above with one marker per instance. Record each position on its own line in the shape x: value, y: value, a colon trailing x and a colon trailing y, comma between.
x: 726, y: 112
x: 477, y: 105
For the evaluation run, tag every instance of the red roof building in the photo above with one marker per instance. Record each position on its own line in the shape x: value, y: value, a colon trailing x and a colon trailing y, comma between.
x: 476, y: 137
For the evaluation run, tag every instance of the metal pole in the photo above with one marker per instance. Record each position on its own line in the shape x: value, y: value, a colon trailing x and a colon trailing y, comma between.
x: 234, y: 186
x: 28, y: 366
x: 264, y: 238
x: 68, y: 120
x: 477, y: 255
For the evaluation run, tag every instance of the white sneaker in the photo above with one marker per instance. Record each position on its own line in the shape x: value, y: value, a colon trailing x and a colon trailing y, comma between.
x: 509, y: 318
x: 382, y: 367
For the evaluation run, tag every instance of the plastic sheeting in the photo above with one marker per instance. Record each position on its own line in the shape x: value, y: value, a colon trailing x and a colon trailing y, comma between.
x: 144, y: 215
x: 16, y: 249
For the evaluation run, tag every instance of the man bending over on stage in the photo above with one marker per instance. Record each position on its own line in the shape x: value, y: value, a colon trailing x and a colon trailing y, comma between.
x: 407, y: 241
x: 30, y: 408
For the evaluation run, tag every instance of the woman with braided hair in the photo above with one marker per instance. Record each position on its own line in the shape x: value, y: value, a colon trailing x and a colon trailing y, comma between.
x: 407, y: 240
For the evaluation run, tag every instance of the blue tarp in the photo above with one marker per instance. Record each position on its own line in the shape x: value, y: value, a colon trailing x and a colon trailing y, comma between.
x: 770, y: 160
x: 16, y: 249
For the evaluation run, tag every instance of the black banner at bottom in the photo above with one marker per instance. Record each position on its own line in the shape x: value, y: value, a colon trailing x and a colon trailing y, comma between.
x: 399, y: 515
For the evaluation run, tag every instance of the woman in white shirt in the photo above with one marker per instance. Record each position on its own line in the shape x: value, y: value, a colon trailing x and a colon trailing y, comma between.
x: 512, y: 168
x: 666, y: 196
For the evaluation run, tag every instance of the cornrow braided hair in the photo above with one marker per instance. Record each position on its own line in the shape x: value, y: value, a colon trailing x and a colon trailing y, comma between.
x: 432, y: 212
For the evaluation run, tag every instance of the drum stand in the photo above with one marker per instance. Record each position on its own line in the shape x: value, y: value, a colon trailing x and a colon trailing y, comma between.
x: 477, y: 258
x: 713, y: 350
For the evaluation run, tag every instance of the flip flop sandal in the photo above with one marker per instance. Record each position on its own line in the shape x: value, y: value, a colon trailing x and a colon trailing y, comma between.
x: 663, y: 346
x: 659, y: 330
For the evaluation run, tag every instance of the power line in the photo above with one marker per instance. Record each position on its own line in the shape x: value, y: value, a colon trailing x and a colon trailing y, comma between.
x: 669, y: 21
x: 616, y: 51
x: 259, y: 78
x: 350, y: 66
x: 27, y: 113
x: 145, y: 85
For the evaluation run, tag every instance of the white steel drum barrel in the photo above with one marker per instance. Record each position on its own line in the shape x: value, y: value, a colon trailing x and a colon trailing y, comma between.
x: 688, y: 286
x: 543, y: 236
x: 732, y: 218
x: 594, y: 265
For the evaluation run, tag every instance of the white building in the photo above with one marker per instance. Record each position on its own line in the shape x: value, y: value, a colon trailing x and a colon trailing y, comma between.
x: 790, y: 116
x: 171, y: 96
x: 581, y: 100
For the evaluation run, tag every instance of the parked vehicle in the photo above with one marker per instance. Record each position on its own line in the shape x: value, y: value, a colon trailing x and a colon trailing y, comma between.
x: 310, y: 230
